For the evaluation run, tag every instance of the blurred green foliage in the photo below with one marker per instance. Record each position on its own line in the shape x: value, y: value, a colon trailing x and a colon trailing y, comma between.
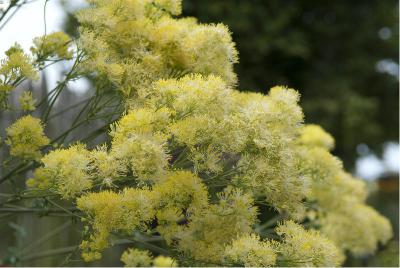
x: 328, y: 50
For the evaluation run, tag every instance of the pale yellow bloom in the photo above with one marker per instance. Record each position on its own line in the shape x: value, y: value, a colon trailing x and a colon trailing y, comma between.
x: 132, y: 209
x: 26, y: 101
x: 52, y: 45
x: 211, y: 229
x: 301, y: 247
x: 357, y: 228
x: 162, y: 261
x: 17, y: 65
x: 249, y: 251
x: 25, y: 137
x: 314, y: 135
x: 64, y: 171
x: 136, y: 258
x: 143, y: 42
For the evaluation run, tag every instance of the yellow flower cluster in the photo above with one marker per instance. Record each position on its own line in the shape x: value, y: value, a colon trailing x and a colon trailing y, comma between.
x: 64, y: 171
x: 25, y: 137
x: 314, y: 135
x: 140, y: 147
x: 104, y: 167
x: 16, y: 66
x: 162, y: 261
x: 306, y: 248
x: 140, y: 42
x: 109, y: 211
x: 143, y: 258
x: 4, y: 93
x: 215, y: 124
x: 136, y: 258
x: 52, y: 45
x: 180, y: 198
x: 208, y: 232
x: 249, y: 251
x: 26, y: 101
x: 358, y: 228
x: 205, y: 168
x: 144, y: 157
x: 341, y: 211
x: 180, y: 195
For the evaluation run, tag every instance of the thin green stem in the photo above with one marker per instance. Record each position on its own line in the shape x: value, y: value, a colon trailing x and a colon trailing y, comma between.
x: 5, y: 12
x: 59, y: 88
x: 18, y: 169
x: 46, y: 237
x: 69, y: 108
x: 6, y: 215
x: 97, y: 132
x: 49, y: 253
x: 271, y: 222
x: 62, y: 208
x: 64, y: 250
x: 181, y: 158
x: 144, y: 242
x: 29, y: 210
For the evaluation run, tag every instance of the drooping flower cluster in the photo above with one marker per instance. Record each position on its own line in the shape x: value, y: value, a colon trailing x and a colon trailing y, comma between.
x: 193, y: 161
x: 136, y: 258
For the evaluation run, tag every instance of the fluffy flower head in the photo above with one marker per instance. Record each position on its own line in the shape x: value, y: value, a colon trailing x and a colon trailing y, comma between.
x: 64, y: 171
x: 314, y: 135
x: 249, y: 251
x: 25, y: 137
